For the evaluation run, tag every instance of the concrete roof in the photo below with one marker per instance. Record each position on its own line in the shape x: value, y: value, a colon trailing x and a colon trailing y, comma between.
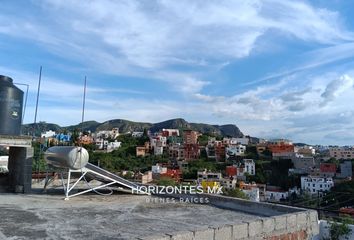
x: 121, y: 216
x: 117, y: 216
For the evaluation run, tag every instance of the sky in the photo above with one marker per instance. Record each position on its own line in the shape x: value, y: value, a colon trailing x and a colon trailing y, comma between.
x: 275, y: 68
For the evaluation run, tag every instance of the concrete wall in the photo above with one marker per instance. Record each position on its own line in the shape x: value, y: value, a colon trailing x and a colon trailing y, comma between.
x: 324, y: 231
x: 299, y: 226
x: 20, y: 169
x: 278, y: 223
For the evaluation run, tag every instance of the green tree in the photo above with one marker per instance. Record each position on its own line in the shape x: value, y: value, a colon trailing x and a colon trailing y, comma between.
x: 203, y: 139
x: 338, y: 230
x: 237, y: 193
x: 166, y: 181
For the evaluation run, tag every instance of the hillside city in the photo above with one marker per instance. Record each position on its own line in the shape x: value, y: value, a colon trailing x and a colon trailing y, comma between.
x: 274, y: 170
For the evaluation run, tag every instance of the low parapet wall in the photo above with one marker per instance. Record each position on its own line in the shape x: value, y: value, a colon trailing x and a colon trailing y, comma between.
x: 275, y: 222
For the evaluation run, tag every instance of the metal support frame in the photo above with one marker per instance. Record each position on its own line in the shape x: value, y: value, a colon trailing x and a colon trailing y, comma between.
x: 68, y: 186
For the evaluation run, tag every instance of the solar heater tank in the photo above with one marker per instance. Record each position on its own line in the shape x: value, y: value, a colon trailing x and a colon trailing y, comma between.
x: 69, y: 157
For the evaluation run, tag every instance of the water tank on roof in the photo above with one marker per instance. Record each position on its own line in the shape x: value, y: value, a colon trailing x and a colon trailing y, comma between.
x: 11, y: 102
x: 67, y: 157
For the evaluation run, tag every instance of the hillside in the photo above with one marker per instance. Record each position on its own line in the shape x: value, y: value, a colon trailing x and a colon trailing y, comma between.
x: 130, y: 126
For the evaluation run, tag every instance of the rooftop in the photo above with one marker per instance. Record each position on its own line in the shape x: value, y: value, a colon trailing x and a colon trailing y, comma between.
x: 130, y: 217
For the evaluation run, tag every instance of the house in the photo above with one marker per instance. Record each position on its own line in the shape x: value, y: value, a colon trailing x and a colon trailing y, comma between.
x: 102, y: 144
x: 341, y: 152
x: 86, y: 139
x: 261, y: 147
x: 145, y: 178
x: 215, y: 149
x: 137, y: 134
x: 176, y: 152
x: 105, y: 134
x: 48, y: 134
x: 228, y: 183
x: 191, y: 151
x: 345, y: 170
x: 302, y: 162
x: 276, y: 195
x: 250, y: 166
x: 243, y: 141
x: 158, y: 169
x: 234, y: 151
x: 255, y: 191
x: 169, y: 132
x: 63, y: 138
x: 328, y: 169
x: 281, y: 148
x: 142, y: 151
x: 315, y: 185
x: 207, y: 175
x: 307, y: 151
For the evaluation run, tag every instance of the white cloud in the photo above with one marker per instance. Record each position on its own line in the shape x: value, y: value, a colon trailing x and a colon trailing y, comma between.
x: 144, y: 39
x: 336, y: 87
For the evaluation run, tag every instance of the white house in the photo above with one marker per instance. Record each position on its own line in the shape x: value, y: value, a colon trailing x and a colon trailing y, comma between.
x: 316, y: 184
x: 250, y: 166
x: 243, y: 141
x: 235, y: 150
x: 252, y: 194
x: 48, y: 134
x: 113, y: 145
x: 137, y: 134
x: 158, y: 169
x: 275, y: 195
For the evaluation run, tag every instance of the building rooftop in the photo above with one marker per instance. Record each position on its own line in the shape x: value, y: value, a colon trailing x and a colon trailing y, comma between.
x: 139, y: 217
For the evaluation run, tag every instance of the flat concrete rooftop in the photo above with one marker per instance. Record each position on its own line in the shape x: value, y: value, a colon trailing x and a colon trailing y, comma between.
x: 133, y: 217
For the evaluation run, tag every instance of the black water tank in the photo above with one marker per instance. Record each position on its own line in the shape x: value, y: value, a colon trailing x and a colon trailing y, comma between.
x: 11, y: 101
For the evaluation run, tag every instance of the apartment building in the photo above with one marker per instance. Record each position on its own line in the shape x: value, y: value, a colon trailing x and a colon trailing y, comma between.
x: 341, y: 152
x: 215, y: 149
x: 281, y: 148
x: 315, y: 185
x: 190, y: 137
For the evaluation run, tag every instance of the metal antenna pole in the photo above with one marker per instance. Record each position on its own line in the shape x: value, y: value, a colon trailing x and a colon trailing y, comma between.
x: 83, y: 106
x: 35, y: 119
x: 39, y: 88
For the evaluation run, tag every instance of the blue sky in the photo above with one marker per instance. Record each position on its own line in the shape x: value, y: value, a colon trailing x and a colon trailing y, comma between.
x: 274, y: 68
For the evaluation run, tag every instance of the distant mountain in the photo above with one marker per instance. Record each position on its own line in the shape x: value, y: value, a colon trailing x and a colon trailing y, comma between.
x: 29, y: 129
x: 129, y: 126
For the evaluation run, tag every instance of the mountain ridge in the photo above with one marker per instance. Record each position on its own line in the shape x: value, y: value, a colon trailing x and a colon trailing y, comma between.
x: 230, y: 130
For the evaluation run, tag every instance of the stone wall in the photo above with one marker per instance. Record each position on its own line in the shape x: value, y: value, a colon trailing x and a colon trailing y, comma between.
x: 276, y: 223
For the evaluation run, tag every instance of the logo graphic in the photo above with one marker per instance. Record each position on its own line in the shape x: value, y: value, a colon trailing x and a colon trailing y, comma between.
x: 14, y: 114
